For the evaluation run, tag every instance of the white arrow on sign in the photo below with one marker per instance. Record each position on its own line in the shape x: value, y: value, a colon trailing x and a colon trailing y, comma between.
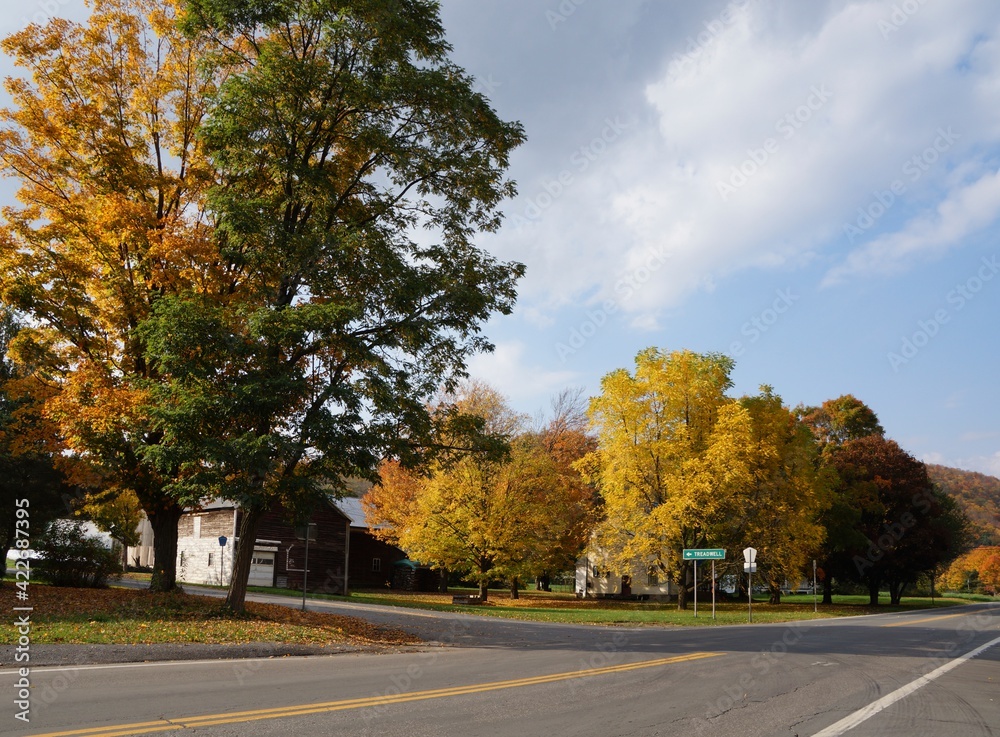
x: 750, y: 555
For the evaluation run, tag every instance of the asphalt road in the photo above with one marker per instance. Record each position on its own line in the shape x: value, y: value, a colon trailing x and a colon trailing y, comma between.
x: 894, y: 674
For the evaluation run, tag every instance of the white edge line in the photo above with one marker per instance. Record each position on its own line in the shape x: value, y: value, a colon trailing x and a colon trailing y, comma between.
x: 852, y: 720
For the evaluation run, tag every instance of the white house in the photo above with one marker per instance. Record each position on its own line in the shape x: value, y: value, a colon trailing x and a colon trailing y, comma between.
x: 594, y: 582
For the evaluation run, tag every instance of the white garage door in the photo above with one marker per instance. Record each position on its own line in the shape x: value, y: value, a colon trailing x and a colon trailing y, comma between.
x: 262, y: 569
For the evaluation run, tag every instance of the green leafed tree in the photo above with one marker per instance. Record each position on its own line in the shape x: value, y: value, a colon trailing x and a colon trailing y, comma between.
x: 354, y: 166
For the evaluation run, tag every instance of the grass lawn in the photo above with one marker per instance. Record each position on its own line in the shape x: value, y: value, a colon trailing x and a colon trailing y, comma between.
x: 129, y: 616
x: 542, y: 606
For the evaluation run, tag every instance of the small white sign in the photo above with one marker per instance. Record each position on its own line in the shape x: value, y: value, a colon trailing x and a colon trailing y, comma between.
x: 749, y: 567
x: 750, y: 555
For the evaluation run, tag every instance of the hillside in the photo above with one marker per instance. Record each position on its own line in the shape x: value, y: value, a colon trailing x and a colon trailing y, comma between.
x: 977, y: 494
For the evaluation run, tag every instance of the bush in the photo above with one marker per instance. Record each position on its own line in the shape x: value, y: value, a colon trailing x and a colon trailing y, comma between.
x: 70, y: 558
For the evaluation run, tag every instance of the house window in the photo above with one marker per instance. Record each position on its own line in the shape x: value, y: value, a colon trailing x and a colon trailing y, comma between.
x: 652, y: 577
x: 376, y: 565
x: 197, y: 526
x: 210, y: 558
x: 182, y: 559
x: 597, y: 572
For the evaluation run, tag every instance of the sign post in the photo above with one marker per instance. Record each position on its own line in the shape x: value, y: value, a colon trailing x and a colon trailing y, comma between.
x: 696, y: 588
x: 749, y: 566
x: 713, y: 589
x: 222, y: 560
x: 696, y: 554
x: 307, y: 531
x: 815, y: 605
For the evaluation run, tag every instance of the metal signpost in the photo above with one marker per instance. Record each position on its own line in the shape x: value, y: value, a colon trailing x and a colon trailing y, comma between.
x: 309, y: 533
x: 815, y: 606
x: 222, y: 560
x: 696, y: 554
x: 749, y: 566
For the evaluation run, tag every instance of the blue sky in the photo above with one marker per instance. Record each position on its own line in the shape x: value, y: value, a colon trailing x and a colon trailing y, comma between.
x: 812, y: 188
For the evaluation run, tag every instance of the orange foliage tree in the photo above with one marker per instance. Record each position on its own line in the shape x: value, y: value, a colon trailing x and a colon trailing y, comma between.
x: 101, y: 137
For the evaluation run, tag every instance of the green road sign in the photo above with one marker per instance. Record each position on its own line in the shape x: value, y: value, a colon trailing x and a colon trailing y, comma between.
x: 704, y: 554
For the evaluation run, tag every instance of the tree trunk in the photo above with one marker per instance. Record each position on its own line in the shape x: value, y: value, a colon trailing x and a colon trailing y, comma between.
x: 243, y: 556
x: 484, y: 584
x: 775, y: 595
x: 443, y: 581
x: 164, y: 524
x: 514, y: 588
x: 873, y: 591
x: 682, y: 593
x: 828, y: 589
x: 896, y: 592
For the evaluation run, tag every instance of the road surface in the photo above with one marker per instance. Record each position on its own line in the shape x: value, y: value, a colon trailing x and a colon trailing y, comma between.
x: 919, y: 674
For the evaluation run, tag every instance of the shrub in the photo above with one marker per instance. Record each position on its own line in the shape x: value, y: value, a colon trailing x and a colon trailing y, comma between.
x: 69, y: 557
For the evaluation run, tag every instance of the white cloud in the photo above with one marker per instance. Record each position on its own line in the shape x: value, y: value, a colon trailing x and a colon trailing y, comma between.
x: 819, y: 110
x: 513, y: 369
x: 966, y: 211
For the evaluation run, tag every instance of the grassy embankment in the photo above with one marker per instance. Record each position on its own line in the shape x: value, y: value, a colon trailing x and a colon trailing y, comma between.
x: 560, y: 607
x: 130, y: 616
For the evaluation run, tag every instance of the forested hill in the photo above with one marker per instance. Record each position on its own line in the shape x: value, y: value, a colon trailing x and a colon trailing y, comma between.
x: 978, y: 495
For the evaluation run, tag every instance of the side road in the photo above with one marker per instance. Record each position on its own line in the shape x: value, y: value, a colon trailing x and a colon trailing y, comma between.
x: 436, y: 629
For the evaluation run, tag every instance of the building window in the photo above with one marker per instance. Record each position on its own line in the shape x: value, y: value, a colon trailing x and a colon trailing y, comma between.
x: 182, y: 559
x: 376, y: 565
x: 197, y: 526
x: 652, y: 577
x: 210, y: 558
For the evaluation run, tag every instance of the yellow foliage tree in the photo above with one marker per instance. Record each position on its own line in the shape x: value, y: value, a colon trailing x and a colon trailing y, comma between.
x: 674, y: 455
x: 493, y: 518
x: 780, y: 510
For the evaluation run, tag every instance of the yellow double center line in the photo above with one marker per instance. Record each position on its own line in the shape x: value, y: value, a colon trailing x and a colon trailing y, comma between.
x: 208, y: 720
x: 938, y: 618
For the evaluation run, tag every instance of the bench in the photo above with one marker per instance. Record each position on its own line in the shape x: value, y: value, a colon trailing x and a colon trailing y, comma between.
x: 466, y: 600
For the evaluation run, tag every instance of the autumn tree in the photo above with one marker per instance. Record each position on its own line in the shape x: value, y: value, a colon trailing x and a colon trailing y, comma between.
x: 491, y: 516
x: 835, y: 422
x: 354, y: 166
x: 566, y: 438
x: 101, y: 136
x: 905, y: 527
x: 781, y: 509
x: 838, y: 420
x: 977, y: 569
x: 29, y: 451
x: 674, y: 454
